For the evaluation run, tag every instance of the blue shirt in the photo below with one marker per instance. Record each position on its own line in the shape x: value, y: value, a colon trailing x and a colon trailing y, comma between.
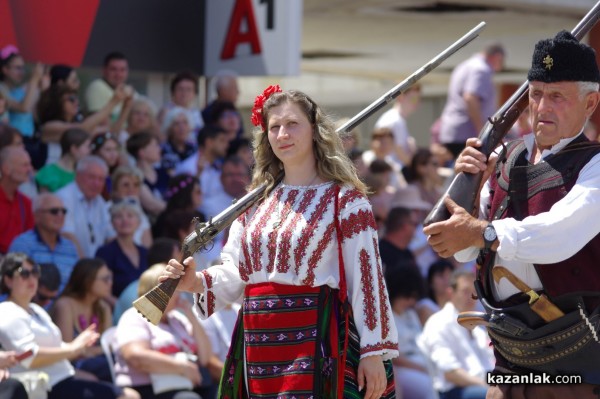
x: 23, y: 121
x: 64, y: 255
x: 124, y: 272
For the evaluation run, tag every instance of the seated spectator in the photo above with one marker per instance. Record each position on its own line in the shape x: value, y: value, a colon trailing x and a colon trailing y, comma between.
x: 15, y: 168
x: 235, y: 178
x: 184, y: 194
x: 45, y: 243
x: 423, y: 174
x: 9, y: 136
x: 74, y: 145
x: 207, y: 161
x: 64, y: 75
x: 106, y: 146
x: 57, y: 112
x: 145, y: 149
x: 184, y: 94
x: 438, y: 289
x: 405, y: 287
x: 181, y: 139
x: 399, y: 230
x: 4, y: 118
x: 227, y: 89
x: 81, y: 305
x: 115, y: 72
x: 141, y: 118
x: 21, y: 94
x: 48, y: 285
x: 145, y: 349
x: 127, y: 182
x: 382, y: 148
x: 225, y: 115
x: 461, y: 358
x: 381, y: 192
x: 123, y: 257
x: 162, y: 250
x: 242, y: 148
x: 87, y: 219
x: 26, y: 326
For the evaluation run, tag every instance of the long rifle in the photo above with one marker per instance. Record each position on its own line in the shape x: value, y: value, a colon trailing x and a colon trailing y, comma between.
x: 464, y: 188
x: 152, y: 304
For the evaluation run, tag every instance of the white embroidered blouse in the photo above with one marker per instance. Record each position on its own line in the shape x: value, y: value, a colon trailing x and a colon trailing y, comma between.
x: 290, y: 238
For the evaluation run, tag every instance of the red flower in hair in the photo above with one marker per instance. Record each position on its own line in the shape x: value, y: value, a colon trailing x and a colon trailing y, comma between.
x: 259, y: 101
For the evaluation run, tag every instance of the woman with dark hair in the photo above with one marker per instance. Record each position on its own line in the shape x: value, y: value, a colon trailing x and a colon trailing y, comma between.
x: 225, y: 115
x: 26, y: 326
x: 81, y: 305
x: 423, y: 173
x: 405, y: 287
x: 64, y: 75
x: 184, y: 94
x: 106, y: 146
x: 21, y: 94
x: 183, y: 194
x: 306, y: 247
x: 58, y: 110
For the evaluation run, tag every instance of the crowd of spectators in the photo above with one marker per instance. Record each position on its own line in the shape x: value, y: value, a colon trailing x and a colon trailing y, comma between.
x: 98, y: 186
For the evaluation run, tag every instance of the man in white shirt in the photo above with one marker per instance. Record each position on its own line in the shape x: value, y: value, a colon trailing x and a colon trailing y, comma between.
x: 395, y: 120
x: 539, y: 221
x: 461, y: 358
x: 87, y: 219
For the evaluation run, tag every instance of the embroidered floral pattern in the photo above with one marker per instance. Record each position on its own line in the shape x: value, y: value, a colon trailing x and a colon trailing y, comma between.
x: 283, y: 253
x: 272, y: 243
x: 368, y: 289
x: 285, y: 244
x: 255, y: 261
x: 358, y: 222
x: 271, y: 303
x: 309, y: 230
x: 383, y: 299
x: 316, y: 256
x: 210, y: 297
x: 349, y: 197
x: 382, y: 346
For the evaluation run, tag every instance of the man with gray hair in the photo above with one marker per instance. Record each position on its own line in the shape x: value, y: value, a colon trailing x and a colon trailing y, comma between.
x: 87, y: 217
x: 537, y: 241
x: 44, y: 243
x: 15, y: 208
x: 226, y: 86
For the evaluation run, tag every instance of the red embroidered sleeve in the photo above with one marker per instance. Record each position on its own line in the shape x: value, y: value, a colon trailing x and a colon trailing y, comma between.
x: 368, y: 289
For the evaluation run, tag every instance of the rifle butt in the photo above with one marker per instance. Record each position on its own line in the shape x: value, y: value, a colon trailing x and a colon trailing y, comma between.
x: 463, y: 190
x: 153, y: 303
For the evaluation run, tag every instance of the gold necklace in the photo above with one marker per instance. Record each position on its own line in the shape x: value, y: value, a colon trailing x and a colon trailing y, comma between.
x: 282, y: 217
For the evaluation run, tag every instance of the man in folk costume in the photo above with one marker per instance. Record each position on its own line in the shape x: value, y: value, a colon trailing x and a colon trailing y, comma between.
x: 538, y: 234
x: 316, y: 318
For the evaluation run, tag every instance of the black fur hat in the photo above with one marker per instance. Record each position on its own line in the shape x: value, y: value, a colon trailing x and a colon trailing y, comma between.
x: 563, y: 58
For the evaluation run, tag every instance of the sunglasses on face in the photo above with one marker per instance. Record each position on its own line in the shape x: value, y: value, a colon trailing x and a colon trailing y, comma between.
x: 26, y: 273
x: 55, y: 211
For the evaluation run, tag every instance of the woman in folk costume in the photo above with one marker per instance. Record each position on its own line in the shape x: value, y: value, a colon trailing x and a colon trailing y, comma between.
x: 303, y: 331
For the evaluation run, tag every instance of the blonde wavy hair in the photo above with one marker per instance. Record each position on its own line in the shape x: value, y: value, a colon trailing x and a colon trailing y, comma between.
x: 332, y: 162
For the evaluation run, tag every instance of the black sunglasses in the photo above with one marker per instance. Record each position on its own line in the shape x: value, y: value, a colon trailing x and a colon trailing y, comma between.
x: 55, y: 211
x: 26, y: 273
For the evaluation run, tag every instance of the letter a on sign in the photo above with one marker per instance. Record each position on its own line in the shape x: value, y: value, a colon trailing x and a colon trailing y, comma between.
x: 242, y: 11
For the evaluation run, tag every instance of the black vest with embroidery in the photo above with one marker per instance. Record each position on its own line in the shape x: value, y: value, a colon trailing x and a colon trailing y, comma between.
x: 520, y: 189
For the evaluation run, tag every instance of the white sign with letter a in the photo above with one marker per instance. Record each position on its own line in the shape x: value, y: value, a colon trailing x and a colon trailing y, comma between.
x: 253, y: 37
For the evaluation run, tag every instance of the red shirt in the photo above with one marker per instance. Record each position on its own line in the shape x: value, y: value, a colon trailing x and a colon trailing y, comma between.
x: 16, y: 217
